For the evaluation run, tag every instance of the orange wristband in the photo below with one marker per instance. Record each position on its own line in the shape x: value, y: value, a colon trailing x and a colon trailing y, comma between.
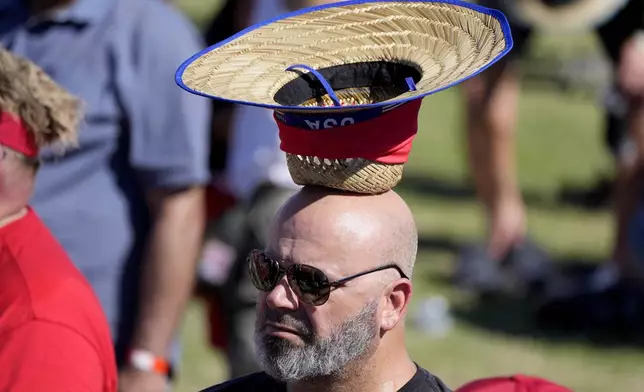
x: 145, y: 361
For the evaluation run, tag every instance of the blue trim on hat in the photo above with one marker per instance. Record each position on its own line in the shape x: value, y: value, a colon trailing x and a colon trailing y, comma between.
x: 496, y: 14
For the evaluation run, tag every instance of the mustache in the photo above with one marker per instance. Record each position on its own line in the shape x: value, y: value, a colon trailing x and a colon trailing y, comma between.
x: 299, y: 324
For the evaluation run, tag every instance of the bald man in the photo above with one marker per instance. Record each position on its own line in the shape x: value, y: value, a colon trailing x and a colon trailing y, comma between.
x: 334, y: 286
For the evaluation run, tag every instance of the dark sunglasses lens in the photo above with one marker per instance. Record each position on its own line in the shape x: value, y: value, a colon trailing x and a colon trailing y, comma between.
x: 264, y: 272
x: 310, y: 284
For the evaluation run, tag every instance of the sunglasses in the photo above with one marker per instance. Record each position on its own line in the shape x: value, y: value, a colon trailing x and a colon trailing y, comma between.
x: 310, y: 284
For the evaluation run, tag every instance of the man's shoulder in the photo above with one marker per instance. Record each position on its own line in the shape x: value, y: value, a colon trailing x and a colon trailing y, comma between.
x: 252, y: 382
x: 425, y: 381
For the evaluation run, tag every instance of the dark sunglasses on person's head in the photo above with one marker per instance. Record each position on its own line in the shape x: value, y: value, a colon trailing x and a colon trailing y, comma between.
x: 310, y: 284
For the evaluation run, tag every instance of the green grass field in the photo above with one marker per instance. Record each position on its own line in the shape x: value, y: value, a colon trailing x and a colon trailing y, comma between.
x: 560, y: 143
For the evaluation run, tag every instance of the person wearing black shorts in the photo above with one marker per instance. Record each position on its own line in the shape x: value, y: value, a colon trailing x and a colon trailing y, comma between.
x: 491, y: 101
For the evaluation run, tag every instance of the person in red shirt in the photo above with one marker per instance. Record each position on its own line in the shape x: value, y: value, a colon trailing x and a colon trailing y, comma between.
x: 53, y: 333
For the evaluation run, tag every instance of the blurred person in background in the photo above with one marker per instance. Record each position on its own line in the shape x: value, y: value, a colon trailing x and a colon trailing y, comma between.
x: 53, y: 333
x: 128, y: 204
x: 491, y: 127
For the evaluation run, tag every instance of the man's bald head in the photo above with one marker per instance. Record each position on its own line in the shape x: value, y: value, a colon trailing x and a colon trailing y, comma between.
x: 379, y: 224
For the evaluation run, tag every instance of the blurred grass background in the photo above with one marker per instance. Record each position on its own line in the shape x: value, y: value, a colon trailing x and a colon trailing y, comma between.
x: 559, y: 144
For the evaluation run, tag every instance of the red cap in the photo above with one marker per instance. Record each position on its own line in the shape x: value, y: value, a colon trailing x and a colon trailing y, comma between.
x: 15, y: 135
x: 516, y: 383
x: 384, y: 135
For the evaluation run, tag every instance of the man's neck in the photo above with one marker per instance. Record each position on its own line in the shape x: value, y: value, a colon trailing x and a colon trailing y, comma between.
x: 382, y: 373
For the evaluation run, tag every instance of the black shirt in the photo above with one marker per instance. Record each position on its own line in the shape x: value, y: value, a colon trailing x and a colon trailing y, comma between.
x: 423, y: 381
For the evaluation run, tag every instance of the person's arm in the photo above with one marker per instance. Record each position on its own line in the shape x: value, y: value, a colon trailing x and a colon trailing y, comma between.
x: 43, y: 356
x: 169, y: 143
x: 173, y: 249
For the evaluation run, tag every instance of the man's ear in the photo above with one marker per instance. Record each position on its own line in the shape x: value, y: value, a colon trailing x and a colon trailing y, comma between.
x: 396, y: 298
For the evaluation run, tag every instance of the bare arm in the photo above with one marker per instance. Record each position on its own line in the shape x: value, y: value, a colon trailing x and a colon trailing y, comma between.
x: 168, y: 276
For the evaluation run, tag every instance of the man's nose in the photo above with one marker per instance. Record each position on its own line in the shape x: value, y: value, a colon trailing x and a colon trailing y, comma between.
x: 282, y: 297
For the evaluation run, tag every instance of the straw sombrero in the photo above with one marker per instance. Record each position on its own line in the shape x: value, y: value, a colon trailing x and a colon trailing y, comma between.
x: 346, y: 79
x: 563, y: 15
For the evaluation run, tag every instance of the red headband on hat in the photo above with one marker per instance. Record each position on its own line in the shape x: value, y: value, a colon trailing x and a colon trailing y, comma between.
x: 516, y: 383
x: 386, y: 138
x: 15, y: 135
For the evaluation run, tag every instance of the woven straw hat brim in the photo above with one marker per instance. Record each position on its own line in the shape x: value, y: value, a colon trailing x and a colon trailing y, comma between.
x: 577, y: 16
x: 448, y: 41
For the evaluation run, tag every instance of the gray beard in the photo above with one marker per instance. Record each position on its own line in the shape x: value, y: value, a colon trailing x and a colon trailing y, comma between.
x: 319, y: 357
